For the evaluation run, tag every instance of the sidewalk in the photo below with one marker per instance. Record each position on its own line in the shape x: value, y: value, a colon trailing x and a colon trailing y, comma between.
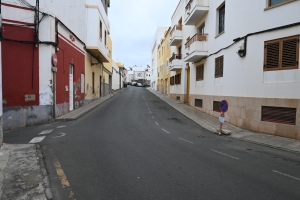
x: 23, y: 174
x: 75, y: 114
x: 212, y: 124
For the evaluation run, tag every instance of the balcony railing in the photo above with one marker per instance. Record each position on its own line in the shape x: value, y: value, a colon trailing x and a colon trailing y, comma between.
x: 195, y: 10
x: 196, y: 37
x: 176, y: 27
x: 175, y: 56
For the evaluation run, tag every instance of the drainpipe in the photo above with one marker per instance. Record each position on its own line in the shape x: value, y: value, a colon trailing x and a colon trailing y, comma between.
x: 54, y: 69
x: 1, y: 105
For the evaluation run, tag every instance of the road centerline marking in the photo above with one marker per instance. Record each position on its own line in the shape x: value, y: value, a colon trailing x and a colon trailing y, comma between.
x: 165, y: 130
x: 283, y: 174
x: 186, y: 140
x: 224, y: 154
x: 157, y: 124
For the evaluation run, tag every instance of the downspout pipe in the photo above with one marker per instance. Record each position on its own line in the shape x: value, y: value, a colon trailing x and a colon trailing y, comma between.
x: 1, y: 105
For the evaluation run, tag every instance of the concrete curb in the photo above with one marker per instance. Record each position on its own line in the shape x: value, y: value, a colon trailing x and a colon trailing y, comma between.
x: 48, y: 191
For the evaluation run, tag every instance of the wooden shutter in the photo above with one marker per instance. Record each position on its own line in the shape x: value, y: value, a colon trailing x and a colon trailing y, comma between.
x: 216, y: 67
x: 219, y: 67
x: 289, y: 53
x: 279, y: 115
x: 282, y: 54
x: 272, y: 55
x: 199, y: 72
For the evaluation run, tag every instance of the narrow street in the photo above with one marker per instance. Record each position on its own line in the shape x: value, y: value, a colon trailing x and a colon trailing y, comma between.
x: 135, y: 146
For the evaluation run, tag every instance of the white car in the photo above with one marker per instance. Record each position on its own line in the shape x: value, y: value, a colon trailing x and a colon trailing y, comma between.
x: 139, y: 85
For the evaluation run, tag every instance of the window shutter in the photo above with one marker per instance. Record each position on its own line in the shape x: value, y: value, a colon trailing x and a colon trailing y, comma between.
x: 202, y: 72
x: 272, y: 55
x: 289, y: 53
x: 217, y: 67
x: 221, y: 66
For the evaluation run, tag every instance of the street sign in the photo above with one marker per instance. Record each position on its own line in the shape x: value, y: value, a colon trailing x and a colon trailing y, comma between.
x: 223, y: 106
x: 54, y: 60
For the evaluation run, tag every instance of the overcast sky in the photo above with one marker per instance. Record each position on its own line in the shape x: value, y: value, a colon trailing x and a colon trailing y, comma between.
x: 133, y: 25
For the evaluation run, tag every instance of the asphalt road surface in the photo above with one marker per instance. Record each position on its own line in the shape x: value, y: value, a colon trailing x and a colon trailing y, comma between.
x: 135, y: 146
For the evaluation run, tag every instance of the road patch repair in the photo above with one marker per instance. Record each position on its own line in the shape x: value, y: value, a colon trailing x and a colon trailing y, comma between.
x: 23, y: 174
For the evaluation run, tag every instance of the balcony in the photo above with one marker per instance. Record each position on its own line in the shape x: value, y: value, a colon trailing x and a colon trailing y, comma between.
x: 176, y: 35
x: 196, y: 48
x: 175, y: 62
x: 195, y: 10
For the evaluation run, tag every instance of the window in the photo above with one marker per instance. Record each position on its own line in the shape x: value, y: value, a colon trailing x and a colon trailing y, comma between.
x: 282, y: 54
x: 219, y: 67
x: 216, y: 106
x: 200, y: 29
x: 198, y: 103
x: 278, y: 115
x: 172, y: 80
x: 100, y: 33
x: 276, y: 2
x: 93, y: 82
x: 221, y: 25
x: 200, y: 72
x: 178, y: 79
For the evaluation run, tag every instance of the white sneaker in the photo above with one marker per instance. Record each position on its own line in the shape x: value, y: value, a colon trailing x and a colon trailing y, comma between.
x: 220, y: 133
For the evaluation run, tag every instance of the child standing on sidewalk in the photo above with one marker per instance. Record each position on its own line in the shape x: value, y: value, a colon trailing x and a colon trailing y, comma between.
x: 221, y: 120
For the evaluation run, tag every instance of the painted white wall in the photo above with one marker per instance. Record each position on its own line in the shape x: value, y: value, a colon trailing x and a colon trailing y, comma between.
x: 186, y: 32
x: 243, y: 76
x: 94, y: 15
x: 153, y: 70
x: 67, y: 11
x: 46, y: 33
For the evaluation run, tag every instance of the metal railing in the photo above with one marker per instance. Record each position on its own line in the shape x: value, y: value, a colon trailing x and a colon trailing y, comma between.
x: 189, y: 5
x: 175, y: 56
x: 176, y: 27
x: 196, y: 37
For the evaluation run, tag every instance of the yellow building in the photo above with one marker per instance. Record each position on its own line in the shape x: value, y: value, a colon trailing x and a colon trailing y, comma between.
x: 107, y: 70
x: 98, y: 73
x: 163, y: 73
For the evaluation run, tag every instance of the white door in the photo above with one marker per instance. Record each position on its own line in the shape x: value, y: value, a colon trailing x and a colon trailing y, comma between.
x: 71, y: 100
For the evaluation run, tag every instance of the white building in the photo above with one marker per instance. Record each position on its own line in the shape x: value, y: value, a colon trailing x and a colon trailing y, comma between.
x: 116, y: 77
x: 153, y: 69
x: 244, y: 52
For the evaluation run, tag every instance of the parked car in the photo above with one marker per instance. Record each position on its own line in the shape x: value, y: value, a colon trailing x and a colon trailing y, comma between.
x: 146, y: 85
x: 133, y: 83
x: 139, y: 85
